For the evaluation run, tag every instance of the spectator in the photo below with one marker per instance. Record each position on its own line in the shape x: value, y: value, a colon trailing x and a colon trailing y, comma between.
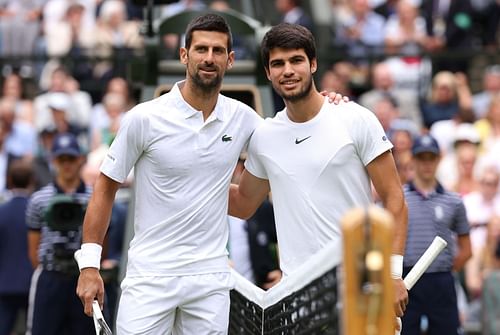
x: 69, y: 34
x: 42, y: 162
x: 488, y: 12
x: 405, y: 31
x: 79, y: 102
x: 482, y: 207
x: 20, y: 136
x: 362, y: 32
x: 489, y: 130
x: 491, y: 87
x: 383, y: 83
x: 12, y: 88
x: 404, y: 165
x: 449, y: 99
x: 71, y: 37
x: 171, y: 41
x: 332, y: 82
x: 405, y: 40
x: 54, y: 217
x: 104, y: 133
x: 466, y: 155
x: 402, y: 134
x: 433, y: 211
x: 386, y: 111
x: 15, y: 267
x: 116, y: 85
x: 466, y: 141
x: 115, y: 36
x: 19, y: 29
x: 291, y: 11
x: 54, y: 12
x: 59, y: 106
x: 450, y: 27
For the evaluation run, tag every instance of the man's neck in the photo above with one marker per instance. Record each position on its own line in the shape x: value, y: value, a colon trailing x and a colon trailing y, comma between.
x: 425, y: 186
x: 304, y: 109
x: 68, y: 185
x: 199, y: 99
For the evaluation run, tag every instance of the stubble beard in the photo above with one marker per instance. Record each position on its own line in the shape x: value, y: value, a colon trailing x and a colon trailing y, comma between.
x: 293, y: 97
x: 206, y: 85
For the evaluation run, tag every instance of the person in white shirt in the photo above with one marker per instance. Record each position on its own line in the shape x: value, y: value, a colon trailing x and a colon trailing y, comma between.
x: 318, y: 160
x: 183, y: 147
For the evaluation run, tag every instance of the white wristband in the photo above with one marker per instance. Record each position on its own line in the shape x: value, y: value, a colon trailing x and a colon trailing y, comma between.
x: 396, y: 266
x: 89, y: 256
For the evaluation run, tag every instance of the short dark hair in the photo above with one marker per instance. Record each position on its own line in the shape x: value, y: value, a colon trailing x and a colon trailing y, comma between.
x: 209, y: 22
x: 20, y: 174
x: 288, y: 36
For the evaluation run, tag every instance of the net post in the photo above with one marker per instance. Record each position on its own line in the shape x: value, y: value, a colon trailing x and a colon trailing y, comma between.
x: 368, y: 292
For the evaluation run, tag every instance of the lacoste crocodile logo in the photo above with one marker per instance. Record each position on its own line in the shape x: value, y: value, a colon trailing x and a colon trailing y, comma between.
x: 297, y: 141
x: 226, y: 138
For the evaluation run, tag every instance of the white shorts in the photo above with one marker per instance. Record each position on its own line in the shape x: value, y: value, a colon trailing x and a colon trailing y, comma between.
x: 197, y: 304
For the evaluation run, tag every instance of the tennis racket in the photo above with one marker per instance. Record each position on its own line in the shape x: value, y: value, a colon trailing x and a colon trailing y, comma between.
x: 101, y: 327
x: 423, y: 263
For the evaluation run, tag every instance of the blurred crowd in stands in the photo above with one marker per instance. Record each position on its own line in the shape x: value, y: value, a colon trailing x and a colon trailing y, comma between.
x: 388, y: 57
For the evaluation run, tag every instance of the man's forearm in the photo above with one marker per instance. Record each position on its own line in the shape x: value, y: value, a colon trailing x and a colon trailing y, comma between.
x: 400, y: 213
x: 236, y: 204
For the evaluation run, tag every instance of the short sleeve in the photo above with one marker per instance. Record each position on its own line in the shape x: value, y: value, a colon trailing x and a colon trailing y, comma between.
x: 461, y: 224
x: 368, y: 135
x: 34, y: 215
x: 253, y: 163
x: 127, y: 146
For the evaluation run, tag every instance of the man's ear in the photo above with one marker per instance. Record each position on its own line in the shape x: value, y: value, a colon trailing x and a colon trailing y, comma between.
x: 230, y: 60
x: 183, y: 55
x: 267, y: 73
x: 314, y: 65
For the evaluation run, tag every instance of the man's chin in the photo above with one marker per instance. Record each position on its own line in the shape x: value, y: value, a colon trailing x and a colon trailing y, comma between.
x: 208, y: 84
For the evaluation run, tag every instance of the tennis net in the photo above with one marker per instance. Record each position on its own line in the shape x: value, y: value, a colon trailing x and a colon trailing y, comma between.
x: 306, y: 302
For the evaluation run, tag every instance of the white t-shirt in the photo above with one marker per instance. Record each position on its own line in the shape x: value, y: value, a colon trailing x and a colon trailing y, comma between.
x: 183, y: 166
x: 316, y: 170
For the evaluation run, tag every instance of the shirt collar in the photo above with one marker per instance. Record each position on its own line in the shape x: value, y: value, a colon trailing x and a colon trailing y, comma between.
x: 439, y: 188
x: 80, y: 189
x: 188, y: 111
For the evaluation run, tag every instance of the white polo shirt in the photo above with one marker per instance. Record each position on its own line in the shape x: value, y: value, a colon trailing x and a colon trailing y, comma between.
x: 183, y: 167
x: 316, y: 170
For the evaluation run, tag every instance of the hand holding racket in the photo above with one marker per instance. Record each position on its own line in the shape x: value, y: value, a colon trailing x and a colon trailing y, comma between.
x: 101, y: 327
x: 423, y: 263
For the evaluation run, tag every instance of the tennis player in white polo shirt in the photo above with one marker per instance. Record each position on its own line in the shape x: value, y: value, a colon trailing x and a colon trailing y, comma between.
x: 184, y: 147
x: 317, y: 159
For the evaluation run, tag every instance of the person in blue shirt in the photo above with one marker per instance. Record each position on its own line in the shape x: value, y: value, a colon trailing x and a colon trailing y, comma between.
x: 433, y: 211
x: 15, y: 267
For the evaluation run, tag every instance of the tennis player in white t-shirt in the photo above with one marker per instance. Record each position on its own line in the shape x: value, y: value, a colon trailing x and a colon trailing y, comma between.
x: 184, y: 147
x: 317, y: 159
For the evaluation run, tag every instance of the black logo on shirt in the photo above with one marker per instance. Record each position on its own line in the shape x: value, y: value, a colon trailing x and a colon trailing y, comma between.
x: 297, y: 141
x: 226, y: 138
